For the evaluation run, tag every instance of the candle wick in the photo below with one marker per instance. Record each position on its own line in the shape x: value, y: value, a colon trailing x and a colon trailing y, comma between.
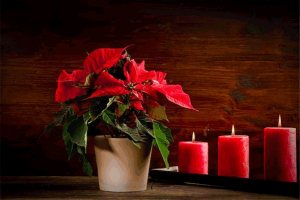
x: 279, y: 121
x: 233, y: 131
x: 193, y: 138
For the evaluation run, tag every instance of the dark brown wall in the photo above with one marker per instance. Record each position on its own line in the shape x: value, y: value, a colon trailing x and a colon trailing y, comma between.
x: 238, y: 62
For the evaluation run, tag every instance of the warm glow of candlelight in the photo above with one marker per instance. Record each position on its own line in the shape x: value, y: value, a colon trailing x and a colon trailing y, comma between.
x: 193, y: 138
x: 279, y: 121
x: 232, y: 133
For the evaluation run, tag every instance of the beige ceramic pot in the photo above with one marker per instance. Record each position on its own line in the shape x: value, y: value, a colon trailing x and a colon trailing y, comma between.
x: 122, y: 166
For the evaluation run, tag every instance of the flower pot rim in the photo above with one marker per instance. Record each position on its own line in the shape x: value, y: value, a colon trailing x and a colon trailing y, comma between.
x: 109, y: 137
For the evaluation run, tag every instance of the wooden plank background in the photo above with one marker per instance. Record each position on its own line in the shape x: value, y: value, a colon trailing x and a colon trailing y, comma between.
x: 239, y: 62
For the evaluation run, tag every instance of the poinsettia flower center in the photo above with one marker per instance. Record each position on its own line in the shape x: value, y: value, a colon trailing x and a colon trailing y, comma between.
x: 131, y: 85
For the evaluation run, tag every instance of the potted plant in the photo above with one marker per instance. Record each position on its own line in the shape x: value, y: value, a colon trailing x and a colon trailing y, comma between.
x: 115, y: 95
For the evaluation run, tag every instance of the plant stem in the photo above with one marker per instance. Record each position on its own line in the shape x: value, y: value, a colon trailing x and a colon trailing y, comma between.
x: 109, y: 131
x: 115, y: 130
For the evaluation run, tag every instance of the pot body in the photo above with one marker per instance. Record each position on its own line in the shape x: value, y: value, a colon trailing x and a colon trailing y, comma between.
x: 122, y: 166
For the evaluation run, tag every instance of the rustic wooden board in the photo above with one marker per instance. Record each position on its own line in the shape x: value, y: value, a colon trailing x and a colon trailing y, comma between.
x: 238, y: 63
x: 88, y: 188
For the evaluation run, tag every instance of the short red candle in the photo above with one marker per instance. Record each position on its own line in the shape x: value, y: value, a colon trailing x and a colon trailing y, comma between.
x: 193, y: 157
x: 233, y: 156
x: 280, y: 154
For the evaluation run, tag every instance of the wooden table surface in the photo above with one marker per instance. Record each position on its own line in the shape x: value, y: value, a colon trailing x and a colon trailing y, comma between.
x: 56, y: 187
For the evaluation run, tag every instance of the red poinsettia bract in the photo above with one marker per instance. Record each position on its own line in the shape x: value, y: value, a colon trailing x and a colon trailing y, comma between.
x: 151, y: 82
x: 138, y: 81
x: 107, y: 85
x: 66, y: 89
x: 96, y: 61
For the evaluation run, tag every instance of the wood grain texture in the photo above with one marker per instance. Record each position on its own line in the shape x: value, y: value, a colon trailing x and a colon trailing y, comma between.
x: 238, y: 62
x: 88, y: 188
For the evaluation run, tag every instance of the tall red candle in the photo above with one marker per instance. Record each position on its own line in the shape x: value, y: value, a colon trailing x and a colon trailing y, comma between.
x: 193, y: 157
x: 280, y: 153
x: 233, y: 155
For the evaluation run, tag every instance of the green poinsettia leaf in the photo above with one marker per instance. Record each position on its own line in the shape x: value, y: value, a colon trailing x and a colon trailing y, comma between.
x: 166, y: 131
x: 70, y: 146
x: 154, y: 143
x: 99, y: 104
x: 65, y: 111
x: 79, y: 98
x: 146, y: 139
x: 68, y: 122
x: 87, y: 167
x: 162, y: 143
x: 49, y: 127
x: 132, y: 133
x: 144, y: 125
x: 95, y: 111
x: 77, y: 130
x: 71, y: 111
x: 100, y: 107
x: 60, y: 116
x: 155, y: 110
x: 109, y: 117
x: 86, y: 117
x: 136, y: 144
x: 122, y: 108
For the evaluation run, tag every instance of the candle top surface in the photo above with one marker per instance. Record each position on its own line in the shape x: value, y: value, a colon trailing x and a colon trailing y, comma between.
x: 234, y: 136
x: 279, y: 128
x: 195, y: 142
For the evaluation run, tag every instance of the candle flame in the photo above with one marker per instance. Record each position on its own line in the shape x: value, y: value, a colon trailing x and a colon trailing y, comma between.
x: 193, y: 138
x: 232, y: 133
x: 279, y: 121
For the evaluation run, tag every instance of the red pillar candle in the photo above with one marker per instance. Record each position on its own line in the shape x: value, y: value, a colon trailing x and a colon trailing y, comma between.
x: 280, y: 153
x: 193, y: 157
x: 233, y: 155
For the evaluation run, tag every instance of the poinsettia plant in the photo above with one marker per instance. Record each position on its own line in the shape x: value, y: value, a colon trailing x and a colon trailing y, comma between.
x: 114, y: 93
